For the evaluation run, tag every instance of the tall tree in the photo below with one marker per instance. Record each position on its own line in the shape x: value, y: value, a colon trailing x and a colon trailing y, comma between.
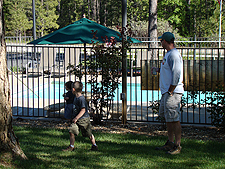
x: 46, y: 16
x: 8, y: 140
x: 137, y: 10
x: 70, y: 11
x: 171, y: 10
x: 152, y: 28
x: 201, y: 23
x: 215, y: 21
x: 110, y: 13
x: 94, y: 5
x: 67, y: 13
x: 137, y: 17
x: 16, y: 18
x: 190, y: 17
x: 114, y: 13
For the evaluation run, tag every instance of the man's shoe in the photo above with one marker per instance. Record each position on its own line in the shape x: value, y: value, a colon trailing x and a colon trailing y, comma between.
x: 168, y: 146
x: 94, y: 148
x: 69, y: 148
x: 175, y: 150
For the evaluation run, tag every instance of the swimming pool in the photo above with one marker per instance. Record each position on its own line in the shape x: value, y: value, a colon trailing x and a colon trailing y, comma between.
x: 55, y: 90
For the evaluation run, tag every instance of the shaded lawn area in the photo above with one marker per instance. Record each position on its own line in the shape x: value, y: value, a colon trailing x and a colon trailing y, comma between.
x: 43, y: 148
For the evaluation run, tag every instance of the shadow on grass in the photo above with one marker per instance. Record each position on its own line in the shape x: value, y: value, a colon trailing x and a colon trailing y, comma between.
x: 43, y: 148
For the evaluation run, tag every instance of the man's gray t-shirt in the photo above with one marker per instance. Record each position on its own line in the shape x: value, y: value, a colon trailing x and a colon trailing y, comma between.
x: 171, y: 72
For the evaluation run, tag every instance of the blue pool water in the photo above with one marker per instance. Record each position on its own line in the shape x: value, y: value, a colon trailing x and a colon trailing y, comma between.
x: 55, y: 90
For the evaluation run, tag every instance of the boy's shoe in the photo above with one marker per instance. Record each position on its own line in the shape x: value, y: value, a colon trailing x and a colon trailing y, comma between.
x: 175, y: 150
x: 94, y: 148
x: 168, y: 146
x: 69, y: 148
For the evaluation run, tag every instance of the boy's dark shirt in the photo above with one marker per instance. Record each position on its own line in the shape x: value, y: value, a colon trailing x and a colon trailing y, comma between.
x: 71, y: 97
x: 80, y: 102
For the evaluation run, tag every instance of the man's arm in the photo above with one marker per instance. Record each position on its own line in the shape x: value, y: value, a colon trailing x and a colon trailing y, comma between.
x: 171, y: 89
x: 174, y: 63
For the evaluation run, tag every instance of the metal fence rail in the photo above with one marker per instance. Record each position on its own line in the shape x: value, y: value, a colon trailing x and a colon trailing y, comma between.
x: 37, y: 76
x: 194, y: 42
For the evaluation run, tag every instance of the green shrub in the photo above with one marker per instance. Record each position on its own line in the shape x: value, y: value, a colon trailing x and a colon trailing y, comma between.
x: 14, y: 68
x: 216, y: 107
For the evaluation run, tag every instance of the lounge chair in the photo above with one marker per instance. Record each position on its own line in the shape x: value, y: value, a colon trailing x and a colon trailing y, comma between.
x: 33, y: 69
x: 62, y: 60
x: 41, y: 65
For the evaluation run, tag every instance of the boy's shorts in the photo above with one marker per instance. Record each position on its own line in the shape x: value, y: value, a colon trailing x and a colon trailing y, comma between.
x: 170, y: 107
x: 83, y: 125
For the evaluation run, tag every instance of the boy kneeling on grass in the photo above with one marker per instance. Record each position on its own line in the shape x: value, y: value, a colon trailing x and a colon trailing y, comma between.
x: 81, y: 118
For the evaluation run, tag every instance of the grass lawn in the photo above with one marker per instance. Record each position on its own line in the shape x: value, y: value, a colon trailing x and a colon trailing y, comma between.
x: 116, y: 151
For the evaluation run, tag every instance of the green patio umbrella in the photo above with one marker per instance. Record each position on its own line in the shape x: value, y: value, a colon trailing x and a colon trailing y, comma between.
x: 80, y: 32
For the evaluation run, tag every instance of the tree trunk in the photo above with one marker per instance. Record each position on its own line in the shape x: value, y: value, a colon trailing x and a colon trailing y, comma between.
x: 188, y: 19
x: 152, y: 29
x: 8, y: 140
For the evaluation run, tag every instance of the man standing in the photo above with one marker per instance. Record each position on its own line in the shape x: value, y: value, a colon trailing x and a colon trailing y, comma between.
x: 171, y: 86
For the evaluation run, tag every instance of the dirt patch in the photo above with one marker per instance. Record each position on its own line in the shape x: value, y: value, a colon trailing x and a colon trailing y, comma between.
x: 191, y: 132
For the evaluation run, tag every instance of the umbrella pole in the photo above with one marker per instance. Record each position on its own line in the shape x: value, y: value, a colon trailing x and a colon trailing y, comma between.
x: 124, y: 63
x: 85, y: 78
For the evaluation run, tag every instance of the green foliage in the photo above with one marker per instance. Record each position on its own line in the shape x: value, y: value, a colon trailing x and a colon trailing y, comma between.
x: 16, y: 19
x: 171, y: 10
x: 137, y: 11
x: 105, y: 13
x: 193, y: 18
x: 46, y: 16
x: 107, y: 60
x: 104, y: 61
x: 139, y: 28
x: 216, y: 107
x: 76, y: 70
x: 69, y: 12
x: 17, y: 69
x: 191, y: 101
x: 214, y: 21
x: 201, y: 17
x: 188, y: 18
x: 110, y: 13
x: 155, y: 109
x: 14, y: 69
x: 165, y: 26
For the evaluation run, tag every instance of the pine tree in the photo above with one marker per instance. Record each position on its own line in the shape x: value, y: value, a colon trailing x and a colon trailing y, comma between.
x: 16, y: 16
x: 46, y: 17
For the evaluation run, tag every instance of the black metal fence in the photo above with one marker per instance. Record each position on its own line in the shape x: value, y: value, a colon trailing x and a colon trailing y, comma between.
x: 37, y: 76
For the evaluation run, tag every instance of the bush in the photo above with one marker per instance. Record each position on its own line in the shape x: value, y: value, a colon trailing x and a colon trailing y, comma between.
x: 216, y: 107
x: 155, y: 108
x: 105, y: 62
